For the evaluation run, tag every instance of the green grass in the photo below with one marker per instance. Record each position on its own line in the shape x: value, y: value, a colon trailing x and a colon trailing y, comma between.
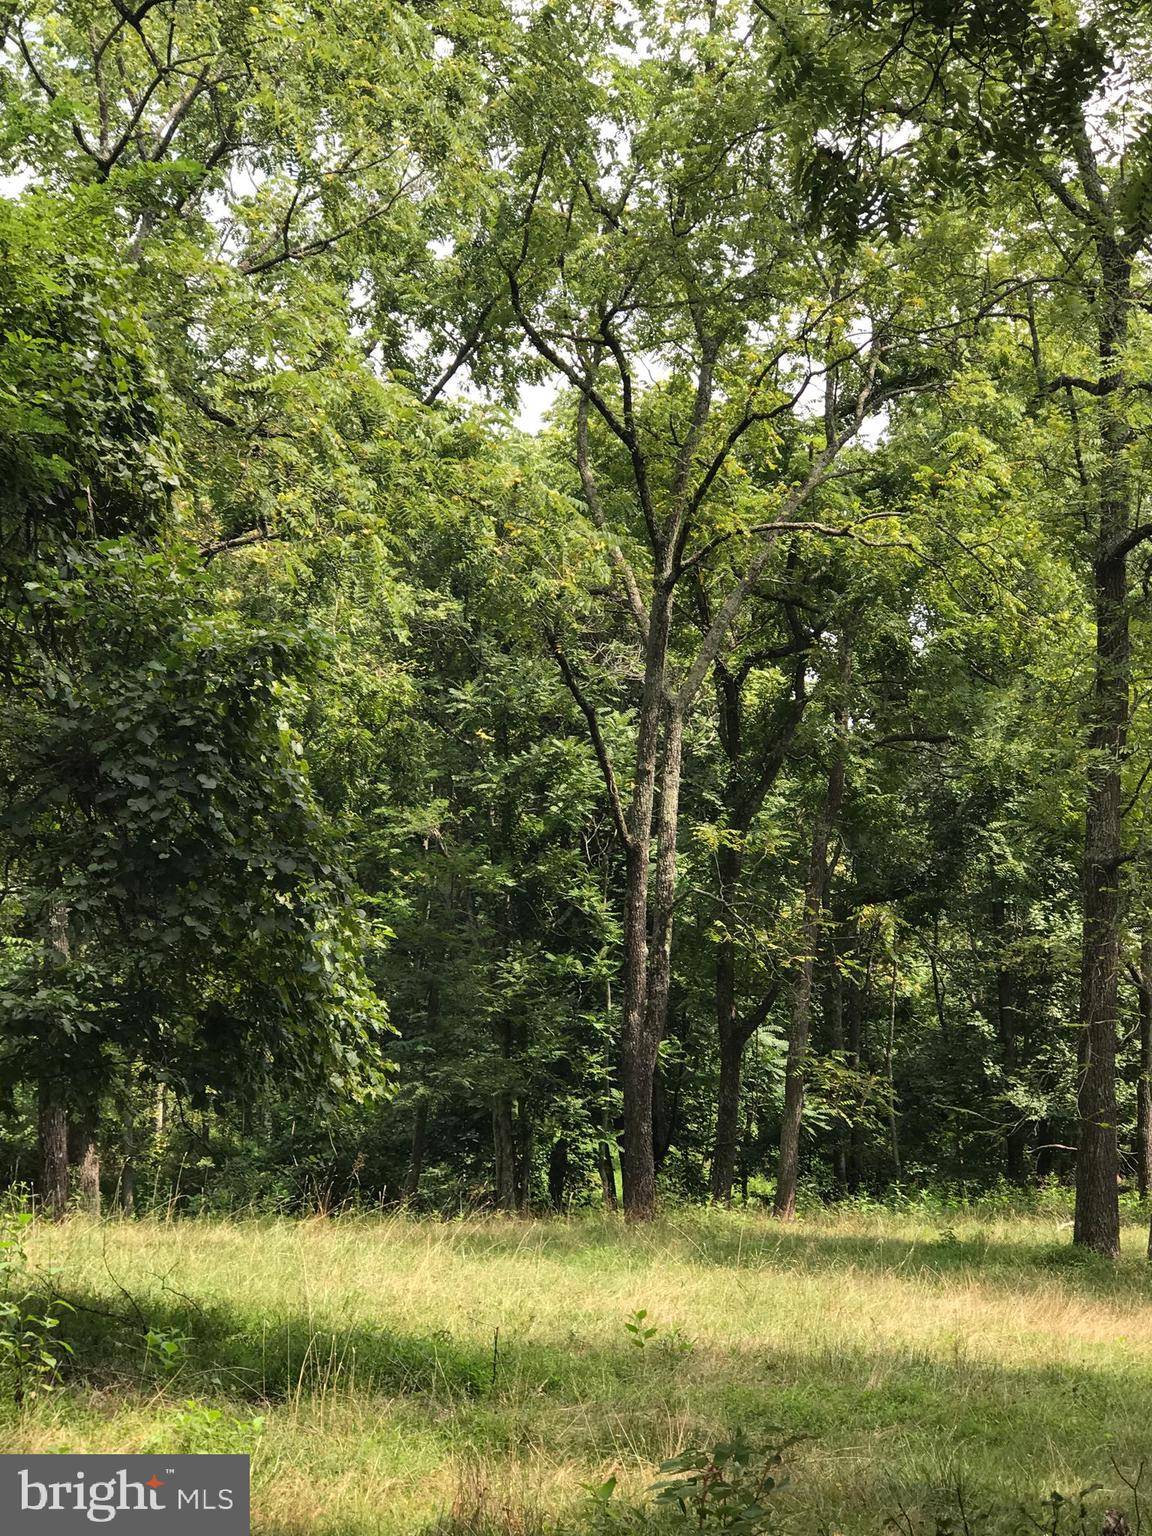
x: 916, y: 1360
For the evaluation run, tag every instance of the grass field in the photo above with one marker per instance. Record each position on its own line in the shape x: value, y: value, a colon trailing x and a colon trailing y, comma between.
x: 409, y: 1377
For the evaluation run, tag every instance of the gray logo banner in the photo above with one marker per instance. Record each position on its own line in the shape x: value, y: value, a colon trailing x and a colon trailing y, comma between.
x: 133, y: 1495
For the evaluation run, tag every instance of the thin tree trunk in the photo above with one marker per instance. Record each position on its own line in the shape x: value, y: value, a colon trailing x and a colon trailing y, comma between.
x: 648, y: 960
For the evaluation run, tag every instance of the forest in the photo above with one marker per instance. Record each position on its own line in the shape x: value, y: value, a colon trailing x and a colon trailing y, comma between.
x: 576, y: 642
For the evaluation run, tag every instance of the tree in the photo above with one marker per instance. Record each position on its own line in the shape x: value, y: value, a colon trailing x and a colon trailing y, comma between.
x: 1066, y: 111
x: 662, y: 229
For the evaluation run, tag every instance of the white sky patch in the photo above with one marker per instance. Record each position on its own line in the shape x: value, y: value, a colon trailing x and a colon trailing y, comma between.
x: 15, y: 183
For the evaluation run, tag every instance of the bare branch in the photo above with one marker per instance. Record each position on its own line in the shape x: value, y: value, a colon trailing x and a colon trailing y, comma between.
x: 588, y: 710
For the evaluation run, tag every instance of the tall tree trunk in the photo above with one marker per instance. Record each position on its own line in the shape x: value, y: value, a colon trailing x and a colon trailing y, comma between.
x: 416, y: 1152
x: 1097, y: 1223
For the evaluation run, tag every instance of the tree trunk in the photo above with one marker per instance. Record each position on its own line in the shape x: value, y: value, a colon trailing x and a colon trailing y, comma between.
x: 1097, y: 1223
x: 53, y: 1135
x: 416, y: 1153
x: 727, y: 1140
x: 504, y: 1148
x: 643, y: 1033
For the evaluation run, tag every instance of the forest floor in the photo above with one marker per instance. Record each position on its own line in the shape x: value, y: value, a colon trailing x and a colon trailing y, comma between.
x: 417, y: 1377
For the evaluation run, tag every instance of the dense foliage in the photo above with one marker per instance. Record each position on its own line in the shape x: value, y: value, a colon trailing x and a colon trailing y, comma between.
x: 733, y: 782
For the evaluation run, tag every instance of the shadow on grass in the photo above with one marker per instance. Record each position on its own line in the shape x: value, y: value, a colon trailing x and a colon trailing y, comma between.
x: 751, y: 1244
x: 590, y: 1397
